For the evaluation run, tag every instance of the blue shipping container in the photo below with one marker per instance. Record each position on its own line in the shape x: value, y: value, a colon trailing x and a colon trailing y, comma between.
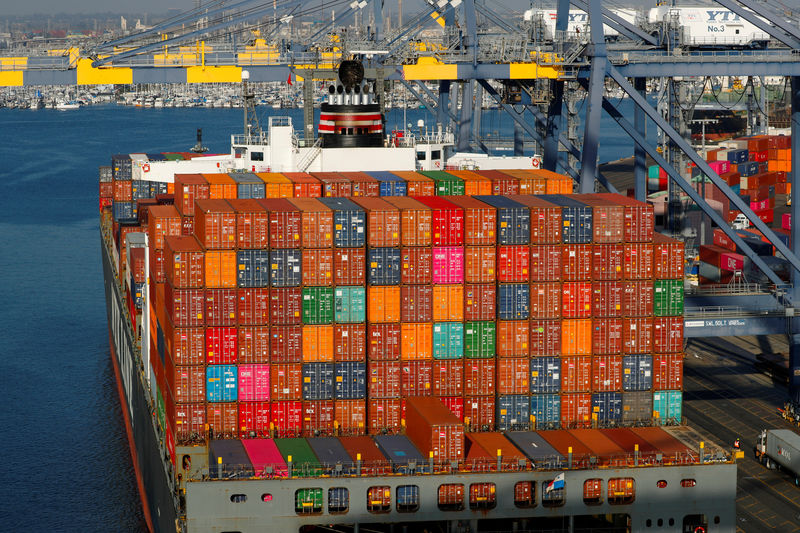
x: 349, y: 223
x: 401, y: 452
x: 607, y: 406
x: 156, y: 157
x: 123, y: 211
x: 448, y: 340
x: 513, y: 219
x: 738, y: 156
x: 285, y: 268
x: 383, y: 266
x: 389, y: 184
x: 339, y: 498
x: 140, y: 190
x: 221, y: 383
x: 318, y: 381
x: 669, y: 406
x: 249, y: 186
x: 637, y: 372
x: 350, y: 380
x: 513, y: 301
x: 234, y: 464
x: 158, y: 187
x: 252, y: 268
x: 407, y: 496
x: 547, y: 410
x: 513, y: 412
x: 545, y: 375
x: 576, y: 218
x: 349, y: 304
x: 138, y: 294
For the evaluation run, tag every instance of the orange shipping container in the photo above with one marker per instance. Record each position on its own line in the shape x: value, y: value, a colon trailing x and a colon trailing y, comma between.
x: 637, y: 335
x: 448, y: 303
x: 473, y: 183
x: 480, y: 220
x: 383, y: 304
x: 316, y: 222
x: 606, y: 373
x: 252, y: 224
x: 384, y: 415
x: 576, y: 410
x: 576, y: 336
x: 415, y: 220
x: 351, y: 416
x: 221, y: 186
x: 416, y: 341
x: 383, y: 222
x: 317, y: 267
x: 276, y: 185
x: 448, y: 377
x: 286, y: 381
x: 576, y: 374
x: 215, y: 224
x: 417, y: 184
x: 163, y: 220
x: 480, y: 264
x: 512, y: 375
x: 513, y: 338
x: 317, y: 344
x: 221, y: 269
x: 545, y: 300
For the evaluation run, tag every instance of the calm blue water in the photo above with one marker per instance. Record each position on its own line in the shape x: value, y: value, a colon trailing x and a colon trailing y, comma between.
x: 65, y: 459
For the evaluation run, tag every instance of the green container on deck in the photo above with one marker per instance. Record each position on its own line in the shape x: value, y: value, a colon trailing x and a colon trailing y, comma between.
x: 448, y: 340
x: 161, y: 411
x: 317, y: 305
x: 350, y: 304
x: 446, y: 184
x: 304, y: 462
x: 668, y: 297
x: 479, y: 340
x: 669, y: 406
x: 308, y: 501
x: 174, y: 157
x: 653, y: 172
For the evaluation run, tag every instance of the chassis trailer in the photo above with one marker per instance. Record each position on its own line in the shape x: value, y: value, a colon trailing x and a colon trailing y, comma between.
x: 779, y: 448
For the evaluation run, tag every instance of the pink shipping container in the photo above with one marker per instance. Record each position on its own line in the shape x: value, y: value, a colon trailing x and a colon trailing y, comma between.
x: 416, y: 266
x: 638, y: 261
x: 513, y: 263
x: 285, y: 305
x: 639, y: 217
x: 285, y: 223
x: 383, y: 222
x: 447, y: 221
x: 252, y: 306
x: 480, y: 301
x: 720, y: 167
x: 480, y: 220
x: 668, y: 334
x: 786, y: 221
x: 668, y: 257
x: 606, y: 373
x: 317, y: 223
x: 415, y: 221
x: 254, y: 418
x: 637, y: 335
x: 480, y: 264
x: 576, y: 262
x: 264, y: 453
x: 607, y: 336
x: 545, y: 262
x: 416, y: 303
x: 417, y: 378
x: 254, y: 383
x: 286, y: 344
x: 576, y: 374
x: 577, y: 299
x: 545, y: 300
x: 545, y: 219
x: 286, y: 416
x: 383, y: 342
x: 607, y: 262
x: 448, y: 377
x: 479, y: 377
x: 448, y: 265
x: 608, y: 218
x: 221, y: 345
x: 668, y: 372
x: 545, y: 338
x: 349, y: 342
x: 221, y: 307
x: 607, y: 299
x: 253, y: 344
x: 384, y: 379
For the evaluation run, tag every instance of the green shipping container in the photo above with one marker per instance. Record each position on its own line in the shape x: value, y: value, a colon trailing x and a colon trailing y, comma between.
x: 479, y: 340
x: 669, y: 406
x: 350, y: 304
x: 448, y: 340
x: 161, y: 411
x: 308, y: 501
x: 174, y: 157
x: 446, y: 184
x: 668, y: 297
x: 317, y: 305
x: 304, y: 462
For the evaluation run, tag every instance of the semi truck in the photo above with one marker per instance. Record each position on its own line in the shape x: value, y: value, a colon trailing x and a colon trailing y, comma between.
x: 779, y: 448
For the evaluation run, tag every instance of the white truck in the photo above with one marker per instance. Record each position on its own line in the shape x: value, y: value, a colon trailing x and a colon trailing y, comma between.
x: 779, y: 448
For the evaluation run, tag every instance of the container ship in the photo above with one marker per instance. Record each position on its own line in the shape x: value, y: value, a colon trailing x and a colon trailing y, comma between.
x: 339, y: 336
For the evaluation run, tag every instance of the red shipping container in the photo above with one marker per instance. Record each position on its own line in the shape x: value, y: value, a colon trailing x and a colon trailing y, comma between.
x: 184, y: 262
x: 316, y: 221
x: 136, y: 261
x: 286, y: 381
x: 577, y: 300
x: 417, y: 378
x: 606, y: 373
x: 501, y: 183
x: 455, y: 404
x: 576, y: 410
x: 252, y: 224
x: 351, y: 416
x: 164, y: 220
x: 252, y: 307
x: 637, y: 335
x: 105, y: 202
x: 286, y: 418
x: 479, y: 302
x: 384, y: 379
x: 188, y: 384
x: 668, y: 372
x: 513, y: 263
x: 285, y: 222
x: 185, y: 346
x: 416, y: 265
x: 317, y: 418
x: 384, y: 415
x: 668, y: 334
x: 157, y: 268
x: 512, y: 375
x: 448, y: 377
x: 767, y: 216
x: 545, y: 338
x: 545, y: 300
x: 639, y: 217
x: 106, y: 189
x: 349, y: 342
x: 607, y: 336
x: 721, y: 258
x: 305, y: 185
x: 221, y: 307
x: 285, y: 305
x: 479, y: 413
x: 607, y: 299
x: 480, y: 264
x: 415, y: 221
x: 188, y: 188
x: 253, y: 343
x: 383, y: 342
x: 607, y: 262
x: 668, y: 256
x: 187, y: 226
x: 576, y: 262
x: 383, y: 222
x: 447, y: 221
x: 545, y: 219
x: 221, y: 345
x: 254, y: 419
x: 479, y: 377
x: 215, y: 224
x: 123, y: 190
x: 190, y: 422
x: 334, y: 184
x: 349, y: 266
x: 608, y: 218
x: 576, y: 374
x: 638, y: 298
x: 513, y: 338
x: 434, y: 429
x: 416, y: 303
x: 185, y: 307
x: 545, y: 262
x: 363, y: 184
x: 223, y: 420
x: 480, y: 220
x: 317, y: 267
x: 638, y: 261
x: 286, y: 344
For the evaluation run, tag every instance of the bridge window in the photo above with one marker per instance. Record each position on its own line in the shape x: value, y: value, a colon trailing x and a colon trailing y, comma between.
x: 379, y: 499
x: 407, y: 498
x: 308, y: 501
x: 621, y: 490
x: 436, y: 154
x: 451, y: 497
x: 593, y: 491
x: 421, y: 156
x: 256, y: 156
x: 525, y: 494
x: 338, y: 500
x: 238, y: 498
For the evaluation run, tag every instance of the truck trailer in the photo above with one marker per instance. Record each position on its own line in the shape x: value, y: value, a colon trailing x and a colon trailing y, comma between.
x: 780, y: 448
